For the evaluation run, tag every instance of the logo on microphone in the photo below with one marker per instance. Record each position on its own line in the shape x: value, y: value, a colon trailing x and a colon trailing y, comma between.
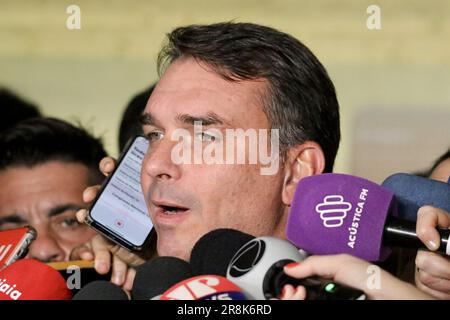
x: 207, y: 287
x: 246, y: 258
x: 4, y: 249
x: 9, y: 290
x: 333, y: 210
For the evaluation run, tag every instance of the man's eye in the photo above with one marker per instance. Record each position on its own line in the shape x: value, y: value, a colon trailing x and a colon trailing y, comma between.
x: 154, y: 136
x: 206, y: 137
x: 70, y: 222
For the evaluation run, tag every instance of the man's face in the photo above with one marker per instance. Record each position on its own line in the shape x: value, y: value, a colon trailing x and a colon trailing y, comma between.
x: 209, y: 196
x: 46, y: 197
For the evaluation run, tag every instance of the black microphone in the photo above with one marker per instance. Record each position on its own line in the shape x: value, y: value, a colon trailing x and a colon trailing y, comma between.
x: 155, y: 276
x: 402, y: 233
x: 213, y: 252
x: 101, y: 290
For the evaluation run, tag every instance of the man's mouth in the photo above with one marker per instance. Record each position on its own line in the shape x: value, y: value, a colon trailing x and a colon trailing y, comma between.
x: 169, y: 208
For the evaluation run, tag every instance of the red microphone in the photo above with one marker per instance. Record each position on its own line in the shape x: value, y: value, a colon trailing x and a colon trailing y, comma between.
x: 207, y: 287
x: 30, y: 279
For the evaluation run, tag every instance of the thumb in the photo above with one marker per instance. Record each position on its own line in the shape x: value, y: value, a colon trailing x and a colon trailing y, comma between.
x: 428, y: 219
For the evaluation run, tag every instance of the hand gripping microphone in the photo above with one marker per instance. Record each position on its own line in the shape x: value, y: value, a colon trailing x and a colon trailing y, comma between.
x: 157, y: 275
x: 257, y: 268
x: 101, y: 290
x: 205, y: 287
x: 413, y: 192
x: 338, y: 213
x: 30, y: 279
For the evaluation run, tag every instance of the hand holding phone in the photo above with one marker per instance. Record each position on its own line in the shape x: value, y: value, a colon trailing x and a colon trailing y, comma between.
x: 119, y: 211
x: 107, y: 255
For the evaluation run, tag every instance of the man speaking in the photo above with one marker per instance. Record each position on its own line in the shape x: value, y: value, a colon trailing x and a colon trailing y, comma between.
x: 228, y: 76
x: 233, y: 76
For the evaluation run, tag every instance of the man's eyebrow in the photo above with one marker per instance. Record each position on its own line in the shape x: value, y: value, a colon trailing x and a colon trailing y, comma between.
x: 211, y: 118
x: 148, y: 119
x: 59, y: 209
x: 12, y: 218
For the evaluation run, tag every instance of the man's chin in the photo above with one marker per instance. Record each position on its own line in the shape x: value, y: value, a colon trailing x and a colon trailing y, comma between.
x: 171, y: 248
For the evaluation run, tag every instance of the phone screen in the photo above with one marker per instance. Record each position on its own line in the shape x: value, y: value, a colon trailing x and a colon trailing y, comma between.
x: 120, y: 208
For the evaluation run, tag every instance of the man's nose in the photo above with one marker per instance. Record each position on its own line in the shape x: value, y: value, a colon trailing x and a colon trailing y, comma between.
x: 158, y: 162
x: 45, y: 248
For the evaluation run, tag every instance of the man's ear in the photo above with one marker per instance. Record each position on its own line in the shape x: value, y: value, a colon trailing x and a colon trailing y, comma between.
x: 302, y: 160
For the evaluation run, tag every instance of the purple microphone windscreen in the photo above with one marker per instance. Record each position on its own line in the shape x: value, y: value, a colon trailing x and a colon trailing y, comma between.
x: 338, y: 213
x: 413, y: 192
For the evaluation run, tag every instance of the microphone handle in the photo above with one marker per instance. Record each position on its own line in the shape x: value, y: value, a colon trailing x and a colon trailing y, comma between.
x: 320, y: 289
x: 316, y: 288
x: 402, y: 233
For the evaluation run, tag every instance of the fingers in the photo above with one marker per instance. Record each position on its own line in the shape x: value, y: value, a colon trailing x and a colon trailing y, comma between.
x: 323, y: 266
x: 341, y: 268
x: 303, y: 269
x: 90, y: 193
x: 128, y: 285
x: 434, y: 283
x: 438, y: 294
x: 428, y: 219
x: 288, y: 292
x: 291, y: 293
x: 82, y: 252
x: 300, y: 293
x: 81, y: 215
x: 107, y: 165
x: 119, y: 271
x: 100, y: 247
x: 433, y: 264
x: 433, y: 274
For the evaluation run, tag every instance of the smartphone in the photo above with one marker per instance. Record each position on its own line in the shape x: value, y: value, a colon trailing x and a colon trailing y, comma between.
x: 119, y: 211
x: 14, y: 244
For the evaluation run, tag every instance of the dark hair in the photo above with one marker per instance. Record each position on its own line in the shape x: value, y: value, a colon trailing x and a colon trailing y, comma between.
x: 442, y: 158
x: 39, y: 140
x: 14, y: 109
x: 427, y: 173
x: 130, y: 124
x: 301, y: 100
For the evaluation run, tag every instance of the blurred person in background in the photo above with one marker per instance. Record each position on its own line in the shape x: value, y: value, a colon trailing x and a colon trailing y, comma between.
x: 14, y: 109
x: 45, y: 164
x: 441, y: 168
x: 130, y: 124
